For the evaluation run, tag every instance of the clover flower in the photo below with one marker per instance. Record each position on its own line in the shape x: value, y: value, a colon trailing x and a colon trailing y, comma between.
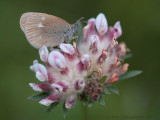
x: 83, y: 71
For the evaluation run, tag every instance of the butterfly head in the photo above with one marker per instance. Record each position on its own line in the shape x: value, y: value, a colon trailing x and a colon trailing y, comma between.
x: 69, y: 34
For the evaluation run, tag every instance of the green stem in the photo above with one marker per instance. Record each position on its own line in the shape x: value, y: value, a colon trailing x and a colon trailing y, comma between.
x: 85, y: 112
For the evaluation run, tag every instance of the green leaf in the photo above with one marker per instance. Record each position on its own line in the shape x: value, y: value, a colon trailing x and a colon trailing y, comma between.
x: 65, y: 110
x: 101, y: 101
x: 103, y: 79
x: 90, y: 103
x: 106, y: 92
x: 130, y: 74
x: 39, y: 96
x: 52, y: 106
x: 112, y: 89
x: 127, y: 56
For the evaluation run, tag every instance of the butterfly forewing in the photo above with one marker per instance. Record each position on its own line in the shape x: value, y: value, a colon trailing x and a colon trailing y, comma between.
x: 43, y: 29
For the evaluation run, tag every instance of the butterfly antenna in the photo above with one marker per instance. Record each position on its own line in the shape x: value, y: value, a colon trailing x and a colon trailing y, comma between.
x: 80, y: 19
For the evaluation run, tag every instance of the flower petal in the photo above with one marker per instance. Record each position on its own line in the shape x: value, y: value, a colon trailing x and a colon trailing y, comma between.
x: 70, y: 102
x: 85, y: 59
x: 94, y: 42
x: 67, y: 48
x: 43, y: 52
x: 57, y: 60
x: 121, y: 49
x: 117, y: 30
x: 35, y: 87
x: 60, y: 86
x: 101, y: 24
x: 79, y: 84
x: 40, y: 87
x: 40, y: 70
x: 50, y: 99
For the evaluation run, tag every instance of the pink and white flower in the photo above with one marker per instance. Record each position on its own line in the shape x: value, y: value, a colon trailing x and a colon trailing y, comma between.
x: 73, y: 71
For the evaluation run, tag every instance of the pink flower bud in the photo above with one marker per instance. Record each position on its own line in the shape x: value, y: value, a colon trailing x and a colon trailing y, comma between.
x: 123, y: 69
x: 114, y: 78
x: 121, y: 49
x: 112, y: 44
x: 60, y: 86
x: 43, y: 52
x: 85, y: 32
x: 91, y: 23
x: 51, y: 78
x: 40, y: 87
x: 117, y: 30
x: 77, y: 53
x: 57, y: 87
x: 85, y: 59
x: 84, y: 64
x: 117, y: 62
x: 94, y: 41
x: 102, y: 57
x: 50, y: 99
x: 70, y: 102
x: 40, y: 70
x: 67, y: 48
x: 101, y: 24
x: 35, y: 87
x: 57, y: 60
x: 79, y: 84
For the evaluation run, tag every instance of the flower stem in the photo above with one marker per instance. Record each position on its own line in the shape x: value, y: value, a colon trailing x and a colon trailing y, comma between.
x: 85, y: 112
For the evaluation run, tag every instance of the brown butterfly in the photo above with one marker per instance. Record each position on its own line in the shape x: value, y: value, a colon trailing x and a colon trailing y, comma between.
x: 43, y: 29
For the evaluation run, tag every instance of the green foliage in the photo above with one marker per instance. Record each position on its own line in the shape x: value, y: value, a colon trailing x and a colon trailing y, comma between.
x: 106, y: 91
x: 112, y: 89
x: 127, y: 56
x: 65, y: 110
x: 52, y: 106
x: 103, y: 79
x: 101, y: 101
x: 130, y: 74
x: 90, y: 104
x: 39, y: 96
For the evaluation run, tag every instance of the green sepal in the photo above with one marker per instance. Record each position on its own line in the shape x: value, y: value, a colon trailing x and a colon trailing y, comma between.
x: 130, y: 74
x: 90, y: 103
x: 106, y: 91
x: 65, y: 110
x: 52, y: 106
x: 112, y: 89
x: 39, y: 96
x: 127, y: 56
x: 101, y: 101
x: 103, y: 79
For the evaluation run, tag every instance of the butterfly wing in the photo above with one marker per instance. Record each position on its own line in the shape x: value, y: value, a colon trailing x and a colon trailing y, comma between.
x: 43, y: 29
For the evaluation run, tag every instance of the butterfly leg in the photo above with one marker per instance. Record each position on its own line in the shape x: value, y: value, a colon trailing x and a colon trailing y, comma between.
x: 75, y: 37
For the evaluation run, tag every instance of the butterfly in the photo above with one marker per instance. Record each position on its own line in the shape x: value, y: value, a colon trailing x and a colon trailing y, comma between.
x: 44, y: 29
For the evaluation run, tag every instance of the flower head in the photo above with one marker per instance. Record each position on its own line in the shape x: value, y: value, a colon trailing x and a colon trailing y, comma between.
x: 85, y: 71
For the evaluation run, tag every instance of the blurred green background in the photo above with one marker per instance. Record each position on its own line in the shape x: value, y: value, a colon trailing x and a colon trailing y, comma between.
x: 140, y: 20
